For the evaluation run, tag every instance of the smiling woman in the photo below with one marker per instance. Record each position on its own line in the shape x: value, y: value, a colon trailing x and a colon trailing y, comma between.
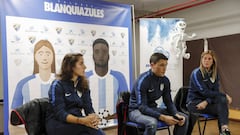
x: 37, y: 84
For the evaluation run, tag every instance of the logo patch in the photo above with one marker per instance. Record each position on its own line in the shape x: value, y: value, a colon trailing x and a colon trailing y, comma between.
x: 161, y: 86
x: 67, y: 94
x: 150, y: 90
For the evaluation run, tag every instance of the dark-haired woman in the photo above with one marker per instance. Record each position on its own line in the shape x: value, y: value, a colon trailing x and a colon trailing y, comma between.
x: 69, y: 94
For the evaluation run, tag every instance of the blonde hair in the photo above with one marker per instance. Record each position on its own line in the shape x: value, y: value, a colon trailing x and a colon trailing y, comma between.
x: 213, y: 67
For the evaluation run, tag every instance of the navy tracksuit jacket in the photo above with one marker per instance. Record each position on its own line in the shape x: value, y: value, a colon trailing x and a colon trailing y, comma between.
x: 147, y: 89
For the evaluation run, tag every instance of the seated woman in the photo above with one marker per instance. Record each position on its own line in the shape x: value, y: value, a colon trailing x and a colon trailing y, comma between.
x: 68, y: 95
x: 204, y: 95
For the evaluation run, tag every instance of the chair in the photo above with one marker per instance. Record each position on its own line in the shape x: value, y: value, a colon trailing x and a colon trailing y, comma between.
x: 32, y: 114
x: 205, y: 118
x: 126, y: 127
x: 180, y: 103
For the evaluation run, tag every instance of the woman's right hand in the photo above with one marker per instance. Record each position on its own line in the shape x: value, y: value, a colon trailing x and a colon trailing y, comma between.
x: 229, y: 99
x: 91, y: 121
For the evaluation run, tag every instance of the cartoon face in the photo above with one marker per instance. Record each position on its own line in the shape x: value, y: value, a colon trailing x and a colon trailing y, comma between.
x: 181, y: 25
x: 44, y: 58
x: 100, y: 54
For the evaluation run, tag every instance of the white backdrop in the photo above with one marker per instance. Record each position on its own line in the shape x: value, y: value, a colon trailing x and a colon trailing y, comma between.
x: 160, y: 34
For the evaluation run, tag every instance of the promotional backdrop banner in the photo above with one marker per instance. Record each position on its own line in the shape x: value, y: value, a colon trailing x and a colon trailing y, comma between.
x: 165, y: 36
x: 37, y: 34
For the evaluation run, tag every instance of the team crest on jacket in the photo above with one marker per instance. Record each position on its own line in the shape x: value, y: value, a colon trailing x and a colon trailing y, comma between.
x: 161, y: 86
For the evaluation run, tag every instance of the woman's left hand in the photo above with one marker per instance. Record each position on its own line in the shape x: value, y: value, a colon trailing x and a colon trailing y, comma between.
x: 202, y: 105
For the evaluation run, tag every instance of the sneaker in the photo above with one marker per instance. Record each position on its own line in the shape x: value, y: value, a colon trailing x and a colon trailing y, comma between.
x: 225, y: 132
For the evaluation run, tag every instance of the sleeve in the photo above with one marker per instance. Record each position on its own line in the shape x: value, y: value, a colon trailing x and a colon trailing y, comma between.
x: 141, y: 94
x: 18, y: 97
x: 88, y: 109
x: 21, y: 86
x: 56, y: 97
x: 167, y: 99
x: 122, y: 85
x: 199, y: 82
x: 121, y: 81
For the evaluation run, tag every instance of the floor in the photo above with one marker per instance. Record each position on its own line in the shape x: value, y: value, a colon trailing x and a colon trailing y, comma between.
x: 211, y: 129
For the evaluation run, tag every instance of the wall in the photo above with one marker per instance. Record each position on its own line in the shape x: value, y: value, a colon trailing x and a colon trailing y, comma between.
x: 217, y: 18
x: 1, y: 84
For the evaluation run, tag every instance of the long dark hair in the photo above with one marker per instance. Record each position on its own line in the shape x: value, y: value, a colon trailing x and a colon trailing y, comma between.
x: 66, y: 72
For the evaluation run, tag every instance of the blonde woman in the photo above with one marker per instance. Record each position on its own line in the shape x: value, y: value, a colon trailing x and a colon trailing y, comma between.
x: 204, y: 95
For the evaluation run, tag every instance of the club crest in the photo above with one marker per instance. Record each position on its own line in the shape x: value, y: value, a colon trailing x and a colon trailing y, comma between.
x: 161, y: 86
x: 16, y: 27
x: 58, y: 30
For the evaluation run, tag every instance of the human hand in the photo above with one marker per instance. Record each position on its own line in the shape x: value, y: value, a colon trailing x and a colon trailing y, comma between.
x: 96, y: 120
x: 91, y: 120
x: 111, y: 116
x: 181, y: 119
x: 202, y: 105
x: 169, y: 120
x: 229, y: 99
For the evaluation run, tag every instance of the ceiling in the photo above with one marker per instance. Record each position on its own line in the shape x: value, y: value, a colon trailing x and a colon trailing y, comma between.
x: 144, y: 7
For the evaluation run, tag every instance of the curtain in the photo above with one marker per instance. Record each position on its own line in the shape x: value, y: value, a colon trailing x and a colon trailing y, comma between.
x: 227, y: 49
x: 195, y: 48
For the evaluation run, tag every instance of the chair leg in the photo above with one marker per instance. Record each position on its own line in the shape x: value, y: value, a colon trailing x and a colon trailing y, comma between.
x: 204, y: 127
x: 205, y: 123
x: 169, y: 132
x: 199, y: 127
x: 138, y: 131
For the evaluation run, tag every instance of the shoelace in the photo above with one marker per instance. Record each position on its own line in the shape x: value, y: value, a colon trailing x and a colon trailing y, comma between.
x: 226, y: 132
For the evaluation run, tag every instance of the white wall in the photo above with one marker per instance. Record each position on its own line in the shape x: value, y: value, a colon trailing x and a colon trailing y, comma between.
x: 217, y: 18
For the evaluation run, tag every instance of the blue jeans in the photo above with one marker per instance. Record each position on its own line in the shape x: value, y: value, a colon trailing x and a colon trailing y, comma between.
x: 151, y: 122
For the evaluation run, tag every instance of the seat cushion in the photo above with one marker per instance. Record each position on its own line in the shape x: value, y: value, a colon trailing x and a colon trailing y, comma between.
x: 208, y: 116
x: 138, y: 125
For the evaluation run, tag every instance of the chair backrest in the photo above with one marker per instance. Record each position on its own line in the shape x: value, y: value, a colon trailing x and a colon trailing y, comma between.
x: 122, y: 111
x: 181, y: 98
x: 32, y: 114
